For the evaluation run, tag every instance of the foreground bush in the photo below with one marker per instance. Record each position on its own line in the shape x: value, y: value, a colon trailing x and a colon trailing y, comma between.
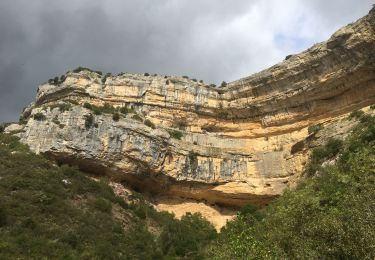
x: 187, y: 237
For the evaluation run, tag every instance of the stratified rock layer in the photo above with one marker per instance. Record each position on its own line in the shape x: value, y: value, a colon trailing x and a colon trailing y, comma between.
x: 241, y: 143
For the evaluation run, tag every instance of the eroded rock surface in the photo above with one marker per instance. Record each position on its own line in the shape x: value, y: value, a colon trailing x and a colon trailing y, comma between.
x: 241, y: 143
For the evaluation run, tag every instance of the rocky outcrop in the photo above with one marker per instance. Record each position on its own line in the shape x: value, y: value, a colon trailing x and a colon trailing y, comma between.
x: 241, y: 143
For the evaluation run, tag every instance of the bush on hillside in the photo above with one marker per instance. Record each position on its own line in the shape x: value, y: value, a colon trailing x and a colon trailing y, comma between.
x: 61, y: 106
x: 176, y: 134
x: 149, y: 123
x: 137, y: 118
x: 314, y: 129
x: 89, y: 121
x: 116, y: 117
x: 187, y: 237
x: 87, y: 105
x: 357, y: 114
x: 39, y: 116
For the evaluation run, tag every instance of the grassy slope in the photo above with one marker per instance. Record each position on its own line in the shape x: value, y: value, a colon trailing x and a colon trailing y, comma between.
x: 57, y: 212
x: 331, y: 215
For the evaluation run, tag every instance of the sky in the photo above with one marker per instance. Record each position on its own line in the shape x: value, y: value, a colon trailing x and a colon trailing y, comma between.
x: 213, y: 40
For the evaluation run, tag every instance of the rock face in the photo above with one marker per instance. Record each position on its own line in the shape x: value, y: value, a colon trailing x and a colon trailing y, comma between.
x: 241, y: 143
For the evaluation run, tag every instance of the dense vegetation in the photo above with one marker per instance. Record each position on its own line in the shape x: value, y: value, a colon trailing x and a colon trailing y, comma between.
x: 329, y: 216
x: 55, y: 212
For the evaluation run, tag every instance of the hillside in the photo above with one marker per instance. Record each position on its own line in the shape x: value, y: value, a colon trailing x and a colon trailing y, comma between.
x: 52, y: 212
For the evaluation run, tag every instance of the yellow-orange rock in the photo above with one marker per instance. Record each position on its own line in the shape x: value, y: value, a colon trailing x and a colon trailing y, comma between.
x: 241, y: 143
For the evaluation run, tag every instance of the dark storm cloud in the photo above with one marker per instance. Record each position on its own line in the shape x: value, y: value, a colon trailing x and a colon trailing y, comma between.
x: 206, y: 39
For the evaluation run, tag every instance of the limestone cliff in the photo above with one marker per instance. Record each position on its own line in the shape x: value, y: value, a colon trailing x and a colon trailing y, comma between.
x: 244, y: 142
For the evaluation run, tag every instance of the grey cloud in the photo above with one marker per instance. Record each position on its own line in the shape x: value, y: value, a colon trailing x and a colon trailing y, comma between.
x: 206, y: 39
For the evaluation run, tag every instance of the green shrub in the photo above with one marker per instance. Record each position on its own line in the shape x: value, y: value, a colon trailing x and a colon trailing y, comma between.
x: 104, y: 79
x: 79, y: 69
x: 314, y: 129
x: 87, y: 105
x: 64, y: 107
x: 192, y: 156
x: 141, y: 210
x: 39, y: 116
x: 61, y: 106
x: 333, y: 146
x: 125, y: 110
x: 22, y: 120
x: 107, y: 108
x: 62, y: 78
x: 318, y: 154
x: 366, y: 119
x: 146, y: 74
x: 323, y: 153
x: 176, y: 134
x: 98, y: 110
x: 74, y: 102
x: 102, y: 205
x: 89, y: 121
x: 3, y: 217
x: 288, y: 57
x: 357, y: 114
x: 187, y: 237
x: 116, y: 117
x: 29, y: 223
x: 372, y: 107
x: 2, y: 128
x: 149, y: 123
x: 248, y: 209
x: 137, y: 117
x: 185, y: 77
x: 56, y: 121
x: 56, y: 80
x: 195, y: 80
x: 223, y: 84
